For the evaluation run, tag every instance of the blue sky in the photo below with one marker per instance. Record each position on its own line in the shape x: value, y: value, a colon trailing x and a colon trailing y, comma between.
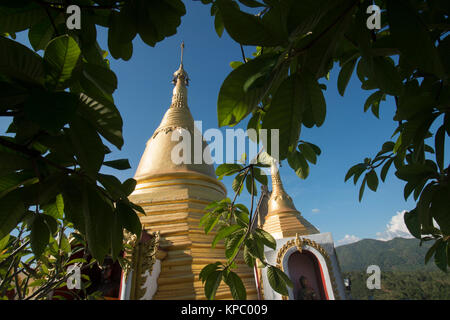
x: 346, y: 138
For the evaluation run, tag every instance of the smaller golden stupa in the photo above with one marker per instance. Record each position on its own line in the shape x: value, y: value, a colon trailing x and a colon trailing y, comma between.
x: 283, y: 219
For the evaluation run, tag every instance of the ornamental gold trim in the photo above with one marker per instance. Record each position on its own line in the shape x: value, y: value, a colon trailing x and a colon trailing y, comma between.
x: 300, y: 243
x: 141, y: 257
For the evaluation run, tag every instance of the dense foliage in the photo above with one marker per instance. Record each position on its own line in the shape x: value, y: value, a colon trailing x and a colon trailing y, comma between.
x: 402, y: 285
x: 63, y: 121
x: 297, y: 44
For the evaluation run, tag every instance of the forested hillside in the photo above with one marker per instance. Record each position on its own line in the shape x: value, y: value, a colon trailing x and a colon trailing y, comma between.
x: 404, y: 276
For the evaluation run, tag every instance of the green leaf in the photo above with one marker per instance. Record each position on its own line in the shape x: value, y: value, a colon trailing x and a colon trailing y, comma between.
x: 88, y: 146
x: 386, y: 76
x: 439, y: 144
x: 248, y: 257
x: 245, y: 28
x: 19, y: 62
x: 248, y: 183
x: 12, y: 210
x: 315, y: 99
x: 372, y: 180
x: 21, y: 17
x: 432, y: 250
x: 308, y: 152
x: 440, y: 256
x: 98, y: 218
x: 233, y: 243
x: 103, y: 78
x: 373, y: 101
x: 238, y: 182
x: 278, y: 280
x: 218, y: 25
x: 55, y: 209
x: 212, y: 283
x: 357, y: 168
x: 412, y: 223
x: 225, y: 232
x: 361, y: 189
x: 298, y: 162
x: 412, y: 37
x: 116, y: 236
x: 129, y: 219
x: 128, y: 186
x: 120, y: 164
x: 226, y: 169
x: 40, y: 235
x: 3, y: 243
x: 112, y: 185
x: 40, y: 34
x: 236, y: 285
x: 345, y: 75
x: 60, y: 58
x: 106, y: 119
x: 285, y: 113
x: 234, y: 103
x: 51, y: 110
x: 385, y: 169
x: 207, y: 270
x: 266, y: 238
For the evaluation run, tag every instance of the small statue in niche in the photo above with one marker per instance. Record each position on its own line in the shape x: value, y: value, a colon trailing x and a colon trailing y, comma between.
x: 305, y: 292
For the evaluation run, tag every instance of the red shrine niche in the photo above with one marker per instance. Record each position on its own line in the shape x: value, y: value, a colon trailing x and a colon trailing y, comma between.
x: 307, y: 276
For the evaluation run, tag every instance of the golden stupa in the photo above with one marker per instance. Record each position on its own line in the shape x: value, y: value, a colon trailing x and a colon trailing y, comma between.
x: 283, y: 219
x: 174, y: 197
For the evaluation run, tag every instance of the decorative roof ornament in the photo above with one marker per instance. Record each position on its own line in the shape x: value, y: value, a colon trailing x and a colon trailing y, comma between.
x: 181, y: 74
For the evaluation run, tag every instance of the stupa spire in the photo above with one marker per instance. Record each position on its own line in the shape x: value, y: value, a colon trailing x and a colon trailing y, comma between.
x: 181, y: 81
x: 283, y: 219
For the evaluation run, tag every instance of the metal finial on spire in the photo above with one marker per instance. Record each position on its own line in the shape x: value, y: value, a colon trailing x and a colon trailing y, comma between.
x: 182, y: 51
x: 181, y: 73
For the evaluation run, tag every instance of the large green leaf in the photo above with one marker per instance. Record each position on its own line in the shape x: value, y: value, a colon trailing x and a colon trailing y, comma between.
x: 98, y: 218
x: 234, y: 103
x: 225, y: 232
x: 129, y: 218
x: 51, y: 110
x: 40, y: 235
x: 88, y: 145
x: 212, y: 284
x: 15, y: 19
x: 19, y: 62
x: 412, y: 37
x: 105, y: 118
x: 12, y: 210
x: 61, y: 57
x: 285, y: 114
x: 278, y: 280
x: 298, y: 162
x: 345, y: 75
x: 236, y: 285
x: 41, y: 33
x: 386, y: 76
x: 246, y: 28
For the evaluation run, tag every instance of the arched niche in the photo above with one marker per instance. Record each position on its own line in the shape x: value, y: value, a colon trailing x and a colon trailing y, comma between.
x: 315, y: 258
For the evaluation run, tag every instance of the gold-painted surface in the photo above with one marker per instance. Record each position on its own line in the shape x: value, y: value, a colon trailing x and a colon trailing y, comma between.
x: 143, y: 256
x: 300, y: 244
x: 174, y: 197
x: 283, y: 219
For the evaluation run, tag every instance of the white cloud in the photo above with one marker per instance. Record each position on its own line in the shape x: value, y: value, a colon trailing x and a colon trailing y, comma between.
x: 395, y: 228
x: 347, y: 239
x: 315, y: 210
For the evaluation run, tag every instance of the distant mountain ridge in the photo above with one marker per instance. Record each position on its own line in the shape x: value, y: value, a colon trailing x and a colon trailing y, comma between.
x: 398, y: 254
